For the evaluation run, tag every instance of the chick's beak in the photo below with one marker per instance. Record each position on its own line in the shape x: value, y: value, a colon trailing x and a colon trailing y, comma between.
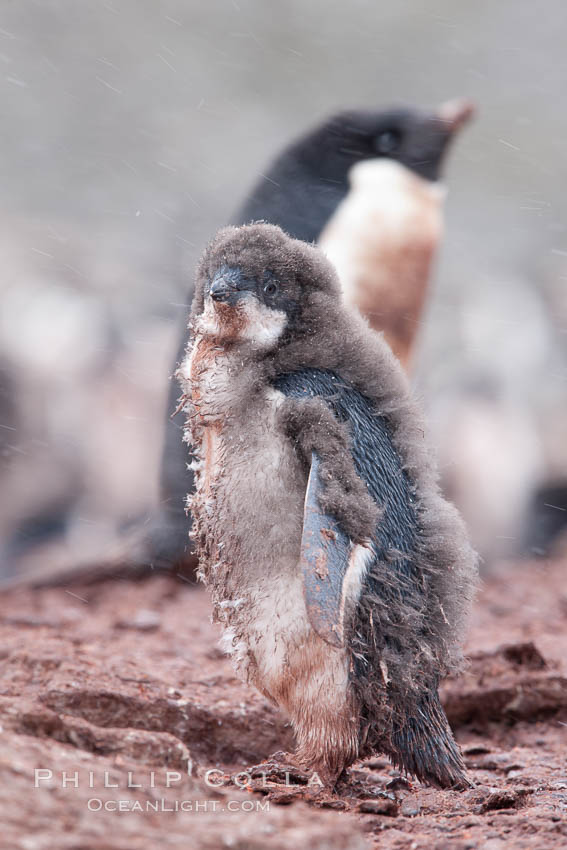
x: 220, y: 290
x: 230, y: 285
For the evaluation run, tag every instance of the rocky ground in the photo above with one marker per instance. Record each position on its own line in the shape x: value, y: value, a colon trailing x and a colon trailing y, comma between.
x: 115, y: 701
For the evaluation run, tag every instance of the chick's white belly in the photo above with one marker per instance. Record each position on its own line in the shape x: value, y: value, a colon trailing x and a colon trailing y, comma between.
x: 259, y: 491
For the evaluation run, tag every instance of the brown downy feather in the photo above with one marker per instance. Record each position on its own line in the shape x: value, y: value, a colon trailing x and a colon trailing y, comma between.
x: 398, y: 705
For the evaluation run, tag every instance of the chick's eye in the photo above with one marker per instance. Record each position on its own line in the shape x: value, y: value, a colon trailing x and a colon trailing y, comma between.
x: 387, y: 142
x: 270, y: 288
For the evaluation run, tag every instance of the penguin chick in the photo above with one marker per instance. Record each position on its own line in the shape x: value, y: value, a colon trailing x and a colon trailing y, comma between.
x: 341, y: 577
x: 366, y: 184
x: 383, y: 236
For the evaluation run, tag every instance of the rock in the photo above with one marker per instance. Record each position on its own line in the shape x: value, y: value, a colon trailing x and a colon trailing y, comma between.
x: 144, y: 620
x: 379, y: 806
x: 410, y: 807
x: 488, y: 800
x: 512, y: 682
x: 335, y: 805
x: 501, y: 762
x: 399, y: 783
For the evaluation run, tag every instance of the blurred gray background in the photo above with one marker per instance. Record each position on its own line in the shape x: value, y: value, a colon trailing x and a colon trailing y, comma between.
x: 132, y: 129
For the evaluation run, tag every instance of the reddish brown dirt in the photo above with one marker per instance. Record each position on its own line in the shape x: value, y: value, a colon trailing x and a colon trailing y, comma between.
x: 122, y: 681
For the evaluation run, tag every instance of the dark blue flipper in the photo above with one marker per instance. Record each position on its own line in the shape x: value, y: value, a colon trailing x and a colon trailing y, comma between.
x: 383, y: 584
x: 328, y: 561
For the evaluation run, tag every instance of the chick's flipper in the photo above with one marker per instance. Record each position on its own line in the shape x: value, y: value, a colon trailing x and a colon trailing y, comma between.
x: 372, y: 596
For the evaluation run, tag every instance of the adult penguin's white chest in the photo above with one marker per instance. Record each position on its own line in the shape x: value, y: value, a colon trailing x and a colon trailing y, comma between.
x: 382, y: 239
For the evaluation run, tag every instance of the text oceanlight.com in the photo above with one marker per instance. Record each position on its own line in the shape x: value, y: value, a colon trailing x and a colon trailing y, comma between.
x: 95, y: 804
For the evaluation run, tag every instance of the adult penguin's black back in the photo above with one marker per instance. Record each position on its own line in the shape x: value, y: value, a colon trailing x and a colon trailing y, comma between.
x: 300, y: 192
